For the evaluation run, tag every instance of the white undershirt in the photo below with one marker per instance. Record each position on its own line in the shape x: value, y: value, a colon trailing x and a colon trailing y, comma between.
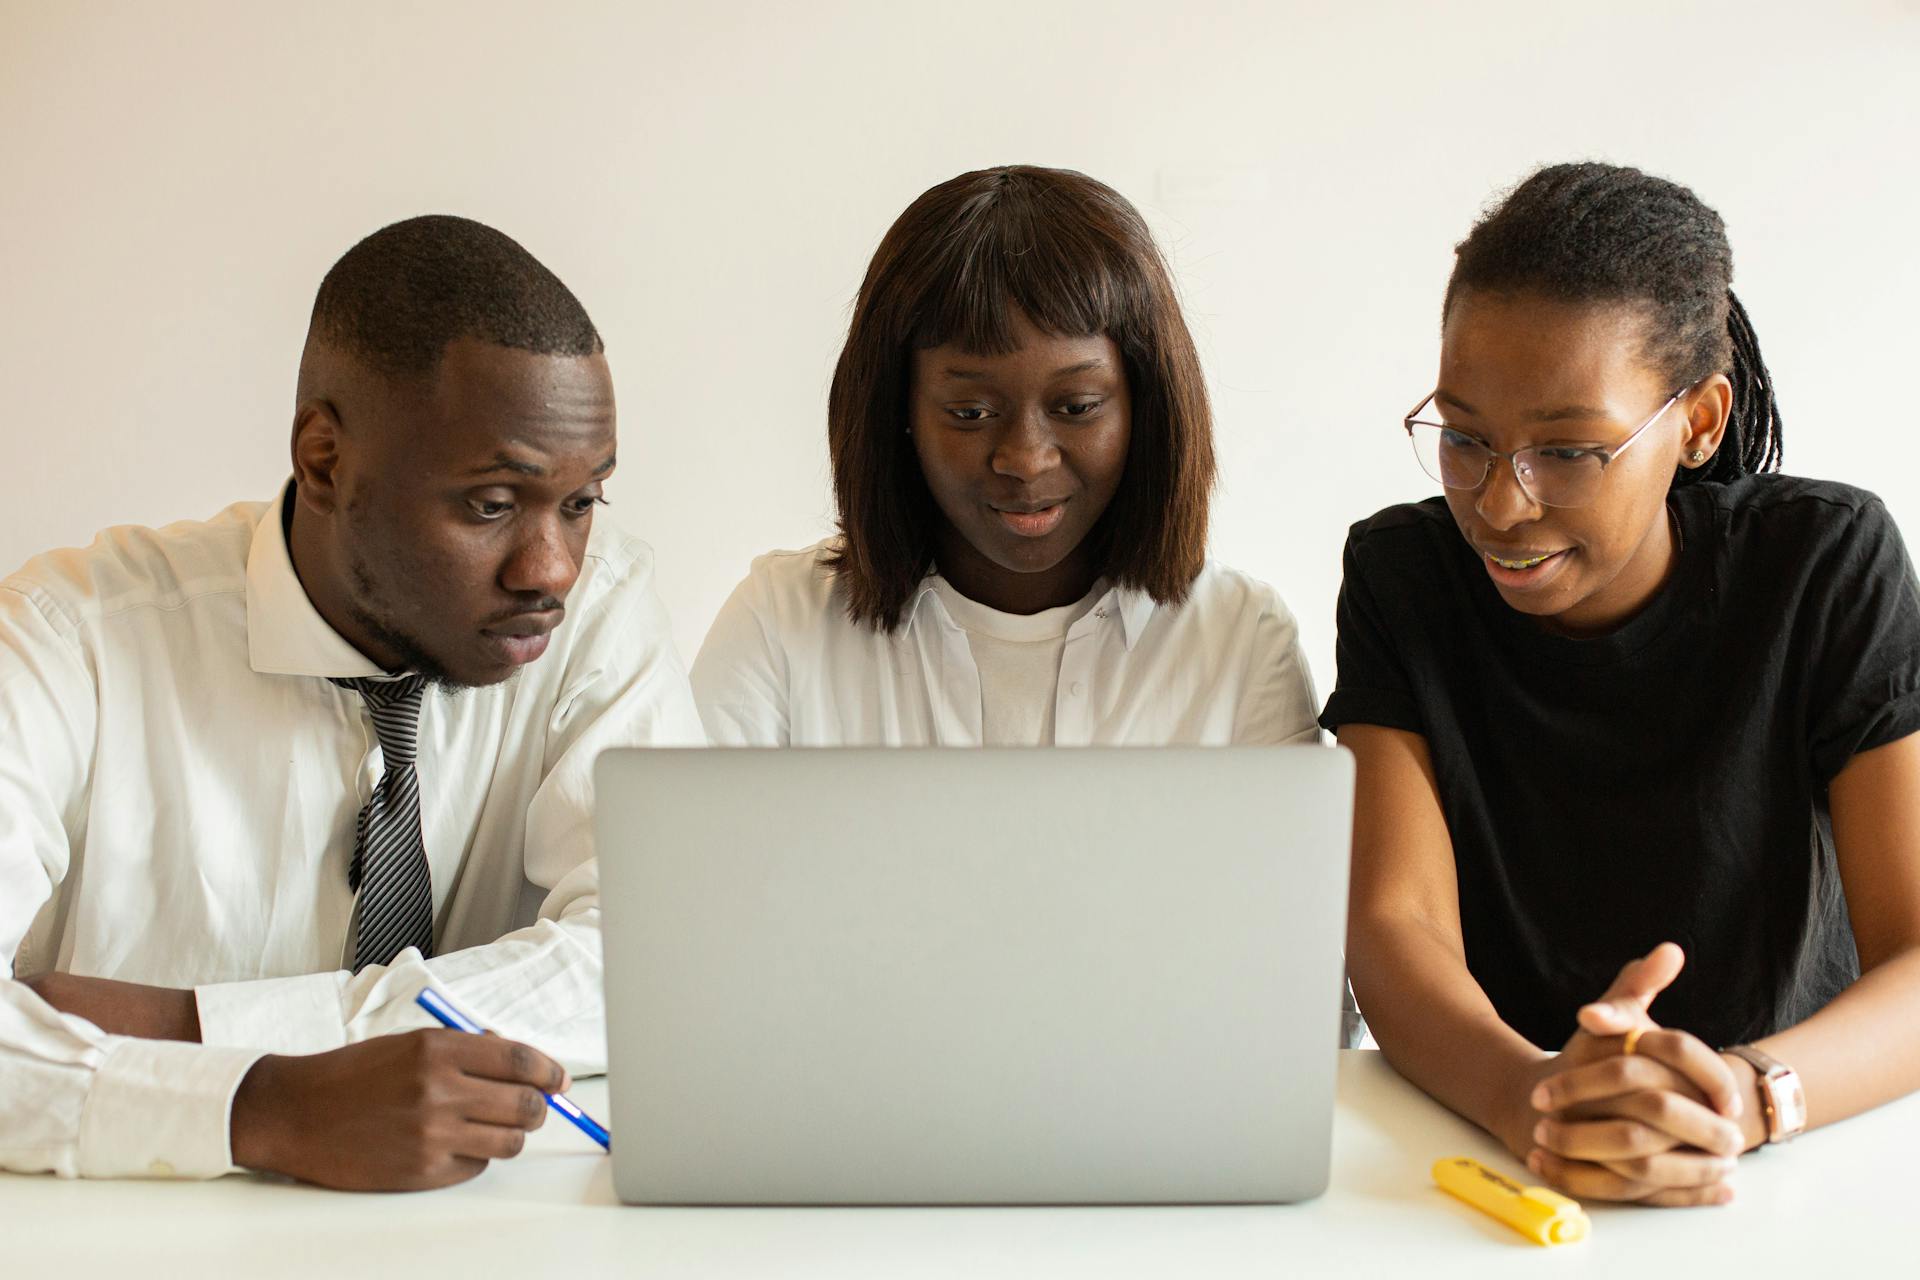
x: 1018, y: 656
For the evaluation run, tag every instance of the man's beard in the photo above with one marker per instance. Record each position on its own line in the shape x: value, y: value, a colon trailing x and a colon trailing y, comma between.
x: 413, y: 654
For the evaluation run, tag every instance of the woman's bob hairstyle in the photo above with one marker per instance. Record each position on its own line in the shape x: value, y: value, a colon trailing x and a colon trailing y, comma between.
x: 957, y: 267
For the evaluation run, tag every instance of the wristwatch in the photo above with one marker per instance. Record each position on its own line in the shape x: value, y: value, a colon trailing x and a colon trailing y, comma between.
x: 1781, y: 1096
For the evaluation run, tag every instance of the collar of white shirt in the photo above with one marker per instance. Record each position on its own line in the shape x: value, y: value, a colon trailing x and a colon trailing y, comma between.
x: 1134, y: 607
x: 286, y: 636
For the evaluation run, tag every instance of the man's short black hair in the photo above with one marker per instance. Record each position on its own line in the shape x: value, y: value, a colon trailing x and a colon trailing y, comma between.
x: 396, y: 299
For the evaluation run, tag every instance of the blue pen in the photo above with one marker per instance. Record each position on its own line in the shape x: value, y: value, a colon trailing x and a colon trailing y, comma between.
x: 442, y: 1008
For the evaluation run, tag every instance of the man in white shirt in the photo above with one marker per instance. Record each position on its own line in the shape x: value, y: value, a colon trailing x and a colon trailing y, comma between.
x: 264, y: 777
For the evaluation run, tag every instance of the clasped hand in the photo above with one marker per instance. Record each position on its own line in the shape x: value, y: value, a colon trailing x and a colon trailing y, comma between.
x: 1659, y: 1126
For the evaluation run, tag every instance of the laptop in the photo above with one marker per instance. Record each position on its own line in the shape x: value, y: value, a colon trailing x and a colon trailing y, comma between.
x: 981, y: 976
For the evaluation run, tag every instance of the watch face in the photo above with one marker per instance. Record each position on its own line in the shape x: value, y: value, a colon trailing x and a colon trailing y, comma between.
x: 1793, y: 1109
x: 1789, y: 1103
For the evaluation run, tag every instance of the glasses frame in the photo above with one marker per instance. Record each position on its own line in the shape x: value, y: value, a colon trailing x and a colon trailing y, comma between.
x: 1606, y: 455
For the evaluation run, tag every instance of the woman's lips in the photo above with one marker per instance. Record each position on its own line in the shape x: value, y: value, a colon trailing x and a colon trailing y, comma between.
x: 1033, y: 524
x: 1525, y: 571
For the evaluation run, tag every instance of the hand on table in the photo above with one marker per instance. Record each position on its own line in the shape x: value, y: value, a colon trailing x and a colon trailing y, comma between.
x: 122, y: 1008
x: 1659, y: 1126
x: 396, y: 1113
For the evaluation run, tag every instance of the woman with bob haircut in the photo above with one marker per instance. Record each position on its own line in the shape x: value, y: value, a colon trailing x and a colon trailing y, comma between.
x: 1022, y: 460
x: 1623, y: 687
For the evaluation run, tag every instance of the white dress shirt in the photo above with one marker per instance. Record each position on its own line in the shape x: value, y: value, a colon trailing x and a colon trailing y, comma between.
x: 783, y: 665
x: 179, y: 783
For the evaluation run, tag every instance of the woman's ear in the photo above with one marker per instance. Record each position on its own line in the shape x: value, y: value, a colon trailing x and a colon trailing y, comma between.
x: 1707, y: 406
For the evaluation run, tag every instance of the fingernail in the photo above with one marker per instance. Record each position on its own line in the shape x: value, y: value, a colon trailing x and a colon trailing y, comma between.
x: 1534, y: 1161
x: 1540, y: 1133
x: 566, y: 1082
x: 1542, y: 1098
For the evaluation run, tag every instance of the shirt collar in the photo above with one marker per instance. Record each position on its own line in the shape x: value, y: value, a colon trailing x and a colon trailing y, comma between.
x: 286, y: 636
x: 1133, y: 607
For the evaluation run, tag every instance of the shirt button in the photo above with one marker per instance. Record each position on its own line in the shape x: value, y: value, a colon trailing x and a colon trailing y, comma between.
x: 1078, y: 688
x: 160, y: 1169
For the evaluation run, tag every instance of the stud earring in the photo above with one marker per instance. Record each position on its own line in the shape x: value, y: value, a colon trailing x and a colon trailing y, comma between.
x: 1697, y: 457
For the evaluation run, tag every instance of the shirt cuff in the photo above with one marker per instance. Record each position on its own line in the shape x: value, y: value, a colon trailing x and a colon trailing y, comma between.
x: 1388, y: 708
x: 162, y: 1109
x: 275, y: 1015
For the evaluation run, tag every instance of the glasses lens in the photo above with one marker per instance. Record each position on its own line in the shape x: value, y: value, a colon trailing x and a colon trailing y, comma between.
x: 1455, y: 460
x: 1560, y: 477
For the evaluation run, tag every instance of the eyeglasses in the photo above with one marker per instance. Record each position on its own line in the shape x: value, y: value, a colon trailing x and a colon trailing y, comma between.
x: 1551, y: 475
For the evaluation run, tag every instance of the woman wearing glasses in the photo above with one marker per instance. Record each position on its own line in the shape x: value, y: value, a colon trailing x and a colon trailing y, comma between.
x: 1621, y: 689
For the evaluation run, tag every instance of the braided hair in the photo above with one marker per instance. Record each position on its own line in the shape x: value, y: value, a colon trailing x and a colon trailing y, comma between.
x: 1595, y: 232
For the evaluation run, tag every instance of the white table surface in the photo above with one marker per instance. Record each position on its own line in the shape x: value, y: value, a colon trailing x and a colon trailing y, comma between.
x: 1839, y: 1202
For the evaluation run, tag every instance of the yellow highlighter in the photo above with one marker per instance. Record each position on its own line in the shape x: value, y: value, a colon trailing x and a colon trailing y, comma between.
x: 1542, y: 1216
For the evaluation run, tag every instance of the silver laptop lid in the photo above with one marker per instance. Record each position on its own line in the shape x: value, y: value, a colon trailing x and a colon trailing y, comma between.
x: 973, y: 976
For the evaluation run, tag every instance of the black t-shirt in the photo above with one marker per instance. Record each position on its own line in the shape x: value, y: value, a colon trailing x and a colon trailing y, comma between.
x: 1665, y: 781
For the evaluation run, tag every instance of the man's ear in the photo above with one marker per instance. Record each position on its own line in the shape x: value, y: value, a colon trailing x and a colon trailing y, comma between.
x: 316, y: 455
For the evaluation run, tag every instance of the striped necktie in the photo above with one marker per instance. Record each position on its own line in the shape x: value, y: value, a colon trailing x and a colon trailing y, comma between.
x: 389, y: 868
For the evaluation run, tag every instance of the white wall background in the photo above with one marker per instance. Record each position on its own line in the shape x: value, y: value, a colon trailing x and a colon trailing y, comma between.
x: 711, y: 178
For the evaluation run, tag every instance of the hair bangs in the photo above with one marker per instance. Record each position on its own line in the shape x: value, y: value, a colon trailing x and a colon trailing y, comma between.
x: 1011, y: 255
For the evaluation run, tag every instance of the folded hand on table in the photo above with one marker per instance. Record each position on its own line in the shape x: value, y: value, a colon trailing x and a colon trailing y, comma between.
x: 1657, y: 1126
